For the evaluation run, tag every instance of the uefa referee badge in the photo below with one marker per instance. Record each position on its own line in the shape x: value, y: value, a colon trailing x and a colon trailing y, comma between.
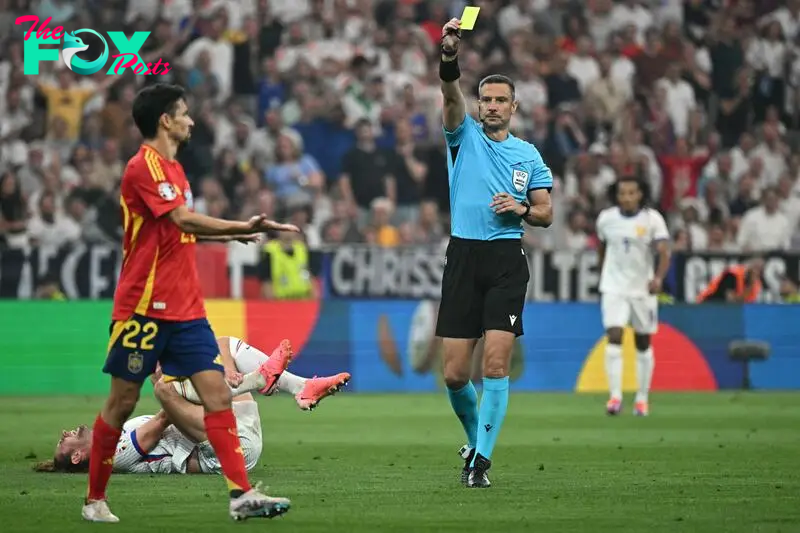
x: 520, y: 179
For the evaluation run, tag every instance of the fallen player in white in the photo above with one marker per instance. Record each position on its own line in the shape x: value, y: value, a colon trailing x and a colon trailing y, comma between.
x: 173, y: 441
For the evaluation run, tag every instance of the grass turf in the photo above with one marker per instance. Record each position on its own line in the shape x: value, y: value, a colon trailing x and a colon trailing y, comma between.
x: 364, y: 463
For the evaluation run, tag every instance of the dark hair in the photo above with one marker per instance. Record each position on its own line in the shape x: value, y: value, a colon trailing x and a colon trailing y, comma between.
x: 643, y: 184
x: 152, y: 102
x: 498, y: 78
x: 62, y: 465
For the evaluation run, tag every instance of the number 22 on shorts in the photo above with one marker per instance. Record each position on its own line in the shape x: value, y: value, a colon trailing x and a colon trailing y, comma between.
x: 132, y: 330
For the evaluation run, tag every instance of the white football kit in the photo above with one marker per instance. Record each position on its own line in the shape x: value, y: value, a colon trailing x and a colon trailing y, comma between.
x: 628, y: 268
x: 171, y: 454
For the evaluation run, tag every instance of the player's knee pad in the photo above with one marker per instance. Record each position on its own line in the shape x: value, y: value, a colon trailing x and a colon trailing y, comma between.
x: 642, y: 342
x: 614, y: 335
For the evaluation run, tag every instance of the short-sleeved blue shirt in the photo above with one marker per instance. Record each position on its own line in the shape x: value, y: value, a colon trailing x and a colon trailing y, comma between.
x: 478, y: 168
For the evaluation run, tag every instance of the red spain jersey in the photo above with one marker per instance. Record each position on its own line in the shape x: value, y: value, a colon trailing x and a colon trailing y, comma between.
x: 159, y: 271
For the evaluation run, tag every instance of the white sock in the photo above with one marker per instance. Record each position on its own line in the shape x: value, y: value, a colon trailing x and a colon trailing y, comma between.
x: 248, y: 359
x: 252, y: 382
x: 645, y: 364
x: 614, y: 370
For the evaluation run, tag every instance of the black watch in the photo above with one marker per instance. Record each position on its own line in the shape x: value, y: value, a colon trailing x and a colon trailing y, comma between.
x: 527, y: 209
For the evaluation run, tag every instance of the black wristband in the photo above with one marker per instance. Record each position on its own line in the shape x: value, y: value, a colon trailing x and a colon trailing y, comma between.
x: 527, y: 209
x: 449, y: 70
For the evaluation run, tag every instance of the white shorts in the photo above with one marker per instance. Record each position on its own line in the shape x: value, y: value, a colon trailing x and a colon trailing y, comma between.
x: 248, y: 423
x: 640, y: 312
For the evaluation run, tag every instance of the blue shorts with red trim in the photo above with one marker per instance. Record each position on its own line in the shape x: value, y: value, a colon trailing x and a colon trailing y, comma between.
x: 139, y: 343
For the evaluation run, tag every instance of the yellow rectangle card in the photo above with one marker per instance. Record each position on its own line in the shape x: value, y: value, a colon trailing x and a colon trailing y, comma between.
x: 469, y: 17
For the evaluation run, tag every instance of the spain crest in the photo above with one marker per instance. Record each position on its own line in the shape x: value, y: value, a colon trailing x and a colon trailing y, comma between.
x: 135, y: 362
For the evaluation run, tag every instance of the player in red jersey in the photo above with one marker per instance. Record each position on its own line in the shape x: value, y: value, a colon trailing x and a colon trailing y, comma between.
x: 158, y: 314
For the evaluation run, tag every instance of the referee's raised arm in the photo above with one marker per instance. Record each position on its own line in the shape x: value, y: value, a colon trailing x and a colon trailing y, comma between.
x: 455, y: 107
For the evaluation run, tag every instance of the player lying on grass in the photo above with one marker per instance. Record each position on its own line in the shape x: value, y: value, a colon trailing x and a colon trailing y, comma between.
x: 174, y: 440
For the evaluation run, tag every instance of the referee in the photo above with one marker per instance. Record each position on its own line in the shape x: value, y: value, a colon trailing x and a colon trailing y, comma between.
x: 497, y: 181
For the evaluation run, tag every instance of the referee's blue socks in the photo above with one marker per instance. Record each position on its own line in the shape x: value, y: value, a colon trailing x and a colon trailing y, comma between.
x: 465, y: 405
x: 494, y: 403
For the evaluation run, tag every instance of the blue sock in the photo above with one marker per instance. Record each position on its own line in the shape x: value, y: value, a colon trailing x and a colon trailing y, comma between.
x: 465, y: 405
x: 494, y: 403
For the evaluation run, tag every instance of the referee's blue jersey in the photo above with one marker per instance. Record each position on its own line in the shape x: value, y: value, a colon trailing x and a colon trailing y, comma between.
x: 478, y: 168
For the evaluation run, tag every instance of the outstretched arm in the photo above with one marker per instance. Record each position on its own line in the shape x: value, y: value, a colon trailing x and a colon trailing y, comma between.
x: 195, y: 223
x: 455, y: 107
x: 244, y: 239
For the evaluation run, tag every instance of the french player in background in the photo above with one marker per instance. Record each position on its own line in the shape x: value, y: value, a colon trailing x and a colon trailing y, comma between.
x: 629, y: 286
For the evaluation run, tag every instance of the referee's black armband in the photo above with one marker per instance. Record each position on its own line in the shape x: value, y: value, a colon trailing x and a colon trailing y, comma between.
x: 449, y: 70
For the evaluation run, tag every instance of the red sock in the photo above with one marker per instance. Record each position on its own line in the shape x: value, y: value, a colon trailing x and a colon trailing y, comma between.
x: 101, y: 458
x: 224, y: 438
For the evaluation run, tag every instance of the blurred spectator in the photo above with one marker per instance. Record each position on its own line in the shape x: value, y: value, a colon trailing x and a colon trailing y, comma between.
x: 789, y: 290
x: 51, y: 229
x: 582, y: 65
x: 410, y: 173
x: 576, y: 237
x: 429, y: 228
x: 13, y: 213
x: 294, y: 173
x: 765, y: 228
x: 679, y: 99
x: 380, y: 230
x: 286, y: 269
x: 216, y: 52
x: 605, y: 96
x: 368, y: 172
x: 48, y: 288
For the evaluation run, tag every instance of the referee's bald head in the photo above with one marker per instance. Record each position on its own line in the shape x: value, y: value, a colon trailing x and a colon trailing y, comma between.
x: 496, y: 102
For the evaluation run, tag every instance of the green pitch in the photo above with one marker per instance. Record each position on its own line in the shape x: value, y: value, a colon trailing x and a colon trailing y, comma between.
x: 361, y: 463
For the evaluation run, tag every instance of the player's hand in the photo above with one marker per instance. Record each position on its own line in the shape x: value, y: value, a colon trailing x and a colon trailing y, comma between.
x: 157, y: 373
x: 451, y: 36
x: 505, y: 203
x: 260, y: 224
x: 233, y: 378
x: 655, y: 286
x: 248, y: 239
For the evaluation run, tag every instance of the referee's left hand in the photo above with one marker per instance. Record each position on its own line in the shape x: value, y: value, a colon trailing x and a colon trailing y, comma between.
x: 505, y: 203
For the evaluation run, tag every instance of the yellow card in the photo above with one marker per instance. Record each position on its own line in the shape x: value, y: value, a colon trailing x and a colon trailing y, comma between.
x: 468, y: 17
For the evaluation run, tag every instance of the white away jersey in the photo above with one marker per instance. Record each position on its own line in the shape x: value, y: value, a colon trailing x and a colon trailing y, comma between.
x: 629, y: 240
x: 170, y: 455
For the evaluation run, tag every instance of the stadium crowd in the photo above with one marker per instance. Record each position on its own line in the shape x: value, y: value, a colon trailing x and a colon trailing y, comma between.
x: 326, y: 113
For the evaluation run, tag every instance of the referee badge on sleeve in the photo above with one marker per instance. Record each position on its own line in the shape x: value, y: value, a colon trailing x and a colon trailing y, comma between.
x: 167, y: 191
x: 520, y: 179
